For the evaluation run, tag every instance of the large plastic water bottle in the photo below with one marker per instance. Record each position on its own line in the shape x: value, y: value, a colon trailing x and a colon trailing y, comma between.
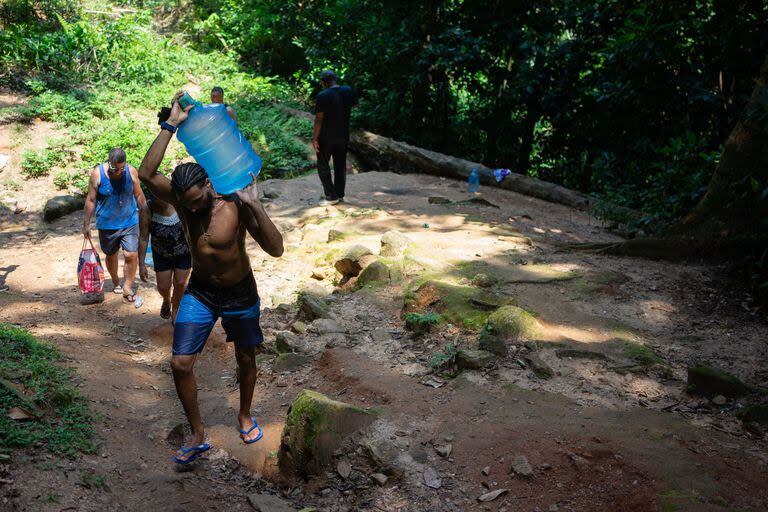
x: 474, y: 182
x: 215, y: 142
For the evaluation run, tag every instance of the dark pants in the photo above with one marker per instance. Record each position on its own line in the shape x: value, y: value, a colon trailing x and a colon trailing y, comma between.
x: 333, y: 189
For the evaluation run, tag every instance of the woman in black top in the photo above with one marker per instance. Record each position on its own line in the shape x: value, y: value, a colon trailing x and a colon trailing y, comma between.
x: 170, y: 253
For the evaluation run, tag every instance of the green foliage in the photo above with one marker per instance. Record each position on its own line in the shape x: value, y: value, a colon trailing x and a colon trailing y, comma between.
x: 61, y: 180
x: 429, y: 318
x: 445, y: 358
x: 35, y: 164
x: 66, y: 425
x: 91, y: 480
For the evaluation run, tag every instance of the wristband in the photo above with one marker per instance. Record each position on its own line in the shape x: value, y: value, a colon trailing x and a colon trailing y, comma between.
x: 169, y: 127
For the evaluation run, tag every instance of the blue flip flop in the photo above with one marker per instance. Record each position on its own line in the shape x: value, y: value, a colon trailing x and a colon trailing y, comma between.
x: 199, y: 450
x: 246, y: 432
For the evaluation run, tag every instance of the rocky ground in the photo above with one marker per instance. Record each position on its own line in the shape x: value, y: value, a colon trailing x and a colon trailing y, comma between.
x: 502, y: 371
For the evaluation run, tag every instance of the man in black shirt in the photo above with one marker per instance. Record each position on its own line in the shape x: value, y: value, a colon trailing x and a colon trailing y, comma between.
x: 331, y: 135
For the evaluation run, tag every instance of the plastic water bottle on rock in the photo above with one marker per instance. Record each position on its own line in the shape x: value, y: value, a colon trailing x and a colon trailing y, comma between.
x: 474, y: 182
x: 216, y: 143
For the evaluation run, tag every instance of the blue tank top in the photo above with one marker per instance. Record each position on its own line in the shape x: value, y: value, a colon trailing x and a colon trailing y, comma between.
x: 116, y: 206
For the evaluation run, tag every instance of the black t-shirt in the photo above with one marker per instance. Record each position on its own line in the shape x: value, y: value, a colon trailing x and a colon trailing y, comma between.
x: 336, y: 104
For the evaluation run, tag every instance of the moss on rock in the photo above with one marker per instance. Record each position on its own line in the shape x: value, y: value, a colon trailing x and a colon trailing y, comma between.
x: 314, y: 428
x: 456, y: 304
x: 513, y: 323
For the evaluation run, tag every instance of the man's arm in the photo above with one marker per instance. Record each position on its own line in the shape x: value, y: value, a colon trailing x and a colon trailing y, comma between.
x: 316, y: 131
x: 90, y: 202
x: 231, y: 113
x: 257, y: 222
x: 158, y: 184
x: 145, y: 217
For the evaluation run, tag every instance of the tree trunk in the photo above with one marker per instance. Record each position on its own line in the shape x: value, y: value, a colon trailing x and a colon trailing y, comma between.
x: 733, y: 204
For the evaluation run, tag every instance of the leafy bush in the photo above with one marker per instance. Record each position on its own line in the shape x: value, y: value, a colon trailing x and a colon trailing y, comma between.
x: 61, y: 180
x: 63, y: 423
x: 35, y: 164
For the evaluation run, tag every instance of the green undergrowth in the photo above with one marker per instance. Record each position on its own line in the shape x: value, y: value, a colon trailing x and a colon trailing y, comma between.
x: 34, y: 380
x: 102, y: 81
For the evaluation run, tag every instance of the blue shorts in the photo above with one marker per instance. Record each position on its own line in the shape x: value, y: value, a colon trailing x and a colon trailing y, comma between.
x: 111, y: 240
x: 239, y: 309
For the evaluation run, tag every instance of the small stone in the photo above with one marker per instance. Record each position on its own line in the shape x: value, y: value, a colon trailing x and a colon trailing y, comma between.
x: 719, y: 400
x: 431, y: 478
x: 520, y: 466
x: 487, y: 470
x: 546, y: 466
x: 553, y: 508
x: 468, y: 359
x: 444, y: 450
x: 379, y: 478
x: 344, y: 469
x: 490, y: 496
x: 539, y: 367
x: 376, y: 272
x: 299, y: 327
x: 318, y: 274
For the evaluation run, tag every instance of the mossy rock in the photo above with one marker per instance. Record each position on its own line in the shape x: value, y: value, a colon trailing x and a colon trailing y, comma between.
x: 708, y: 381
x: 606, y: 281
x: 312, y: 307
x: 376, y: 272
x: 754, y: 413
x: 314, y: 428
x: 456, y: 304
x: 290, y: 361
x: 513, y: 324
x: 286, y: 342
x: 492, y: 343
x: 335, y: 235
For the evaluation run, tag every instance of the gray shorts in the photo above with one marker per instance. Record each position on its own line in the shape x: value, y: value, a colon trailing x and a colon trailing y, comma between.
x: 112, y: 239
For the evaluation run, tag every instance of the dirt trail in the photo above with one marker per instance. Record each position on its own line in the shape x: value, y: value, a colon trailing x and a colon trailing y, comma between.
x: 598, y: 437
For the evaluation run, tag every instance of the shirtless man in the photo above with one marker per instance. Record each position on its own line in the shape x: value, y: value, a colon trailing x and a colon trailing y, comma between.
x: 222, y: 282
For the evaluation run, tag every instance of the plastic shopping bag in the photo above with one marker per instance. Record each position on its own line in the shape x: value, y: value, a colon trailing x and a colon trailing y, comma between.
x: 90, y: 275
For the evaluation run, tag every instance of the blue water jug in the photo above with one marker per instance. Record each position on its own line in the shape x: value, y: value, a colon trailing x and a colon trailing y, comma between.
x: 474, y: 182
x: 215, y: 142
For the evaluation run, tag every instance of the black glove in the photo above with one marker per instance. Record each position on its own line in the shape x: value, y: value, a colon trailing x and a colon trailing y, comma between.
x: 163, y: 115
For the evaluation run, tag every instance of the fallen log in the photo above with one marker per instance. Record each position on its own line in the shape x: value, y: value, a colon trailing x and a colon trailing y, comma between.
x: 382, y: 153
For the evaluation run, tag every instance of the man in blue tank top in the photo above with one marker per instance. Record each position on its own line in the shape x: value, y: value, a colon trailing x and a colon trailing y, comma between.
x: 115, y: 195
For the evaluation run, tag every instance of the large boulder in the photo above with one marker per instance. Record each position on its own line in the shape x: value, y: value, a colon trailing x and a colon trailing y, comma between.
x: 315, y: 427
x: 354, y: 260
x: 59, y: 206
x: 393, y: 244
x: 513, y: 324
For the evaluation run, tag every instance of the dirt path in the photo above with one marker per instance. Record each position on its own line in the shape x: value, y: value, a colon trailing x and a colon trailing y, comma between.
x: 597, y: 435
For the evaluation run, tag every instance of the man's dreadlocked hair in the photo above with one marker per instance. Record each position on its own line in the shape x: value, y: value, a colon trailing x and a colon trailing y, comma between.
x: 186, y: 176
